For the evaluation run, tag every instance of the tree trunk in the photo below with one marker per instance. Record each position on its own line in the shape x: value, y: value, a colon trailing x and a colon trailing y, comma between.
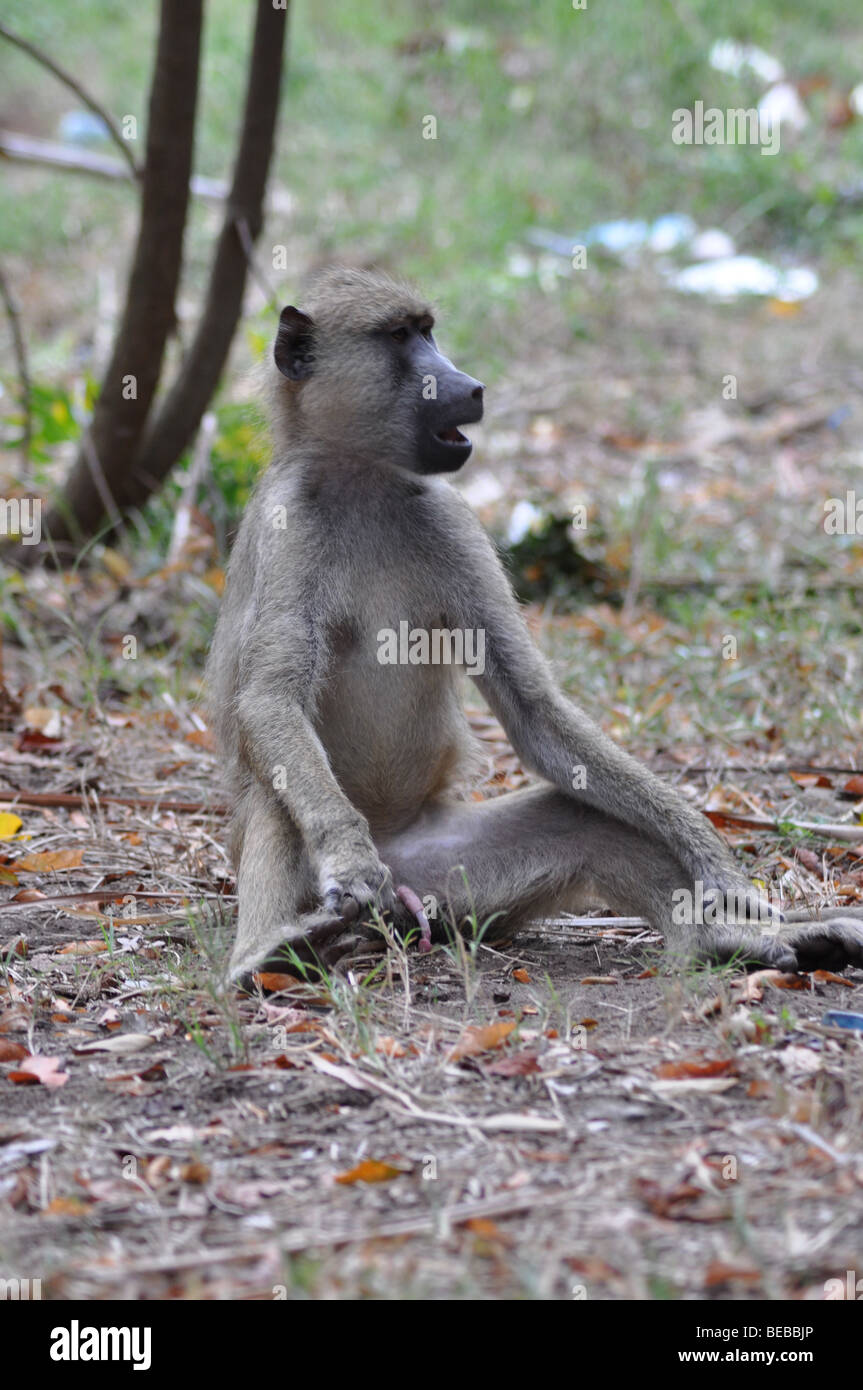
x: 177, y: 420
x: 103, y: 467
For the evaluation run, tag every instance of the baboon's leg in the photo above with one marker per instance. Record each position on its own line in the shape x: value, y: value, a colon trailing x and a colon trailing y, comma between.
x: 510, y: 859
x: 527, y: 853
x: 536, y: 851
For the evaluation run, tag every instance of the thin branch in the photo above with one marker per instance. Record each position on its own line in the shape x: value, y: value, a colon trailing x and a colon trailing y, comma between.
x: 74, y: 800
x: 838, y: 830
x: 19, y: 348
x: 74, y: 86
x: 254, y: 268
x: 29, y: 149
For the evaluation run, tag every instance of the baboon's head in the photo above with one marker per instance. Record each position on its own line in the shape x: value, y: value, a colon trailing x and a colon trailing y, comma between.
x: 359, y: 364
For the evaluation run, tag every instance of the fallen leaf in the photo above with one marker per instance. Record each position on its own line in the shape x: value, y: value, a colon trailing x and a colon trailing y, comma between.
x: 758, y: 1089
x: 487, y: 1233
x: 522, y: 976
x: 719, y: 1273
x: 38, y: 1068
x: 66, y: 1206
x: 476, y: 1039
x: 9, y: 825
x: 516, y: 1064
x: 120, y: 1043
x: 84, y: 948
x: 272, y: 981
x: 675, y: 1071
x: 391, y: 1047
x: 12, y: 1051
x: 50, y: 859
x: 45, y: 719
x: 370, y: 1170
x: 195, y: 1172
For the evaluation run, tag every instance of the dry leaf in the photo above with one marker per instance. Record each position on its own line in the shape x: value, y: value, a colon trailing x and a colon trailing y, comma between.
x: 66, y: 1206
x: 391, y: 1047
x: 12, y: 1051
x: 9, y: 825
x: 119, y: 1044
x: 516, y: 1064
x: 38, y: 1068
x: 44, y: 719
x: 84, y: 948
x: 195, y: 1172
x: 50, y: 859
x: 676, y: 1071
x: 476, y: 1039
x: 522, y: 976
x: 272, y: 981
x: 370, y: 1170
x: 719, y: 1273
x: 828, y: 978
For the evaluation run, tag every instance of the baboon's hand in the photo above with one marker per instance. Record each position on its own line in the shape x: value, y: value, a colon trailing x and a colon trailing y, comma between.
x: 829, y: 945
x: 351, y: 877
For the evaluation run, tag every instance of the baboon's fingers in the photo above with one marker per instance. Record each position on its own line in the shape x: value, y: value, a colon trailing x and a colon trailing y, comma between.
x: 830, y: 945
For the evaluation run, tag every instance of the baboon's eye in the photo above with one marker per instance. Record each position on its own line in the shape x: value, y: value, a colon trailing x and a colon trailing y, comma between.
x: 426, y: 331
x: 399, y: 335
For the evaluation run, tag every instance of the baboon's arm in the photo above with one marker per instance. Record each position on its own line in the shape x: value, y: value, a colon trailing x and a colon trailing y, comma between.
x: 557, y: 740
x: 283, y: 750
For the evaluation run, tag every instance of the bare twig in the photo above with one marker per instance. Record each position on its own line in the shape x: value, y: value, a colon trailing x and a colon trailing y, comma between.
x: 69, y: 81
x: 19, y: 347
x: 257, y: 274
x: 76, y: 800
x: 29, y: 149
x: 197, y: 471
x: 830, y: 829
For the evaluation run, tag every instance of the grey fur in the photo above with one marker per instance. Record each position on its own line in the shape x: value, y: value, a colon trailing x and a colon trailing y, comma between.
x: 376, y: 755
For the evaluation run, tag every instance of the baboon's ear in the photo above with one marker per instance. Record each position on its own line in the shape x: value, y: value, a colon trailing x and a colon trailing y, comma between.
x: 294, y: 349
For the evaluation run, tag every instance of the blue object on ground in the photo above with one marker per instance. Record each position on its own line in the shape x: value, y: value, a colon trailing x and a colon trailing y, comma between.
x: 838, y: 1018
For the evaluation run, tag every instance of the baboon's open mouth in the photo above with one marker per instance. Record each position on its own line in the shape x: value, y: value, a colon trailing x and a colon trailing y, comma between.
x: 452, y: 436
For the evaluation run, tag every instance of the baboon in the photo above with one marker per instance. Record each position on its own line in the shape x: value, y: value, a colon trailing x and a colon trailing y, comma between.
x: 344, y: 738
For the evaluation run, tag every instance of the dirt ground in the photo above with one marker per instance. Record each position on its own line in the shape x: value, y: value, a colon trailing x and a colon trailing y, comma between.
x: 555, y: 1118
x: 558, y: 1118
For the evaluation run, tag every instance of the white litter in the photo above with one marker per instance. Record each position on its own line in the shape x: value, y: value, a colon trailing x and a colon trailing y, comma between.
x: 781, y: 106
x: 727, y: 55
x: 732, y: 276
x: 524, y: 517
